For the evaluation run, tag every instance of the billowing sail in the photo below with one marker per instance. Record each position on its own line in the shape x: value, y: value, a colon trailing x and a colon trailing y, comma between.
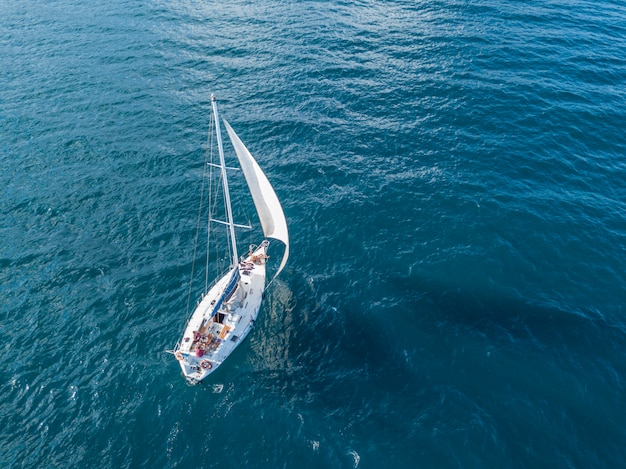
x: 267, y: 204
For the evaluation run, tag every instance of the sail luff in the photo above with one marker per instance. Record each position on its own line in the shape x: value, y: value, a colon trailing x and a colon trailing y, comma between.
x: 265, y: 199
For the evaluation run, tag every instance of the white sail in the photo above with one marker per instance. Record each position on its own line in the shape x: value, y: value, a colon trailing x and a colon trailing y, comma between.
x: 267, y: 204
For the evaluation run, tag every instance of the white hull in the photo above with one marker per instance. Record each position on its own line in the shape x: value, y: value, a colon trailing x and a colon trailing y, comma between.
x: 208, y: 341
x: 226, y: 313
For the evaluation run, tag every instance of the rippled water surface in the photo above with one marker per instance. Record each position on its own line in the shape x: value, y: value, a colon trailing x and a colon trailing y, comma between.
x: 453, y: 177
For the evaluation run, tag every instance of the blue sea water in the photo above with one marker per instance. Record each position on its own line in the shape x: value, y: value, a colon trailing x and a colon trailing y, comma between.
x: 453, y: 177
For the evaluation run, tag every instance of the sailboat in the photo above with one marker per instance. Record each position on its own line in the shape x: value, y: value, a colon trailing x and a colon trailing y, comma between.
x: 228, y: 308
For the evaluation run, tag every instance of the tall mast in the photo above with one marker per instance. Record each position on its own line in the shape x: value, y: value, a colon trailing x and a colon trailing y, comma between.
x: 229, y: 212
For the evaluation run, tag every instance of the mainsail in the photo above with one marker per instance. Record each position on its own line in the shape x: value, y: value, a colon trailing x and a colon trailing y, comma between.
x: 265, y: 200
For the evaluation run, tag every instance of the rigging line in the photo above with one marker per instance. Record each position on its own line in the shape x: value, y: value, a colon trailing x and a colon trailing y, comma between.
x: 213, y: 210
x: 210, y: 199
x: 195, y: 244
x: 221, y: 190
x: 229, y: 212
